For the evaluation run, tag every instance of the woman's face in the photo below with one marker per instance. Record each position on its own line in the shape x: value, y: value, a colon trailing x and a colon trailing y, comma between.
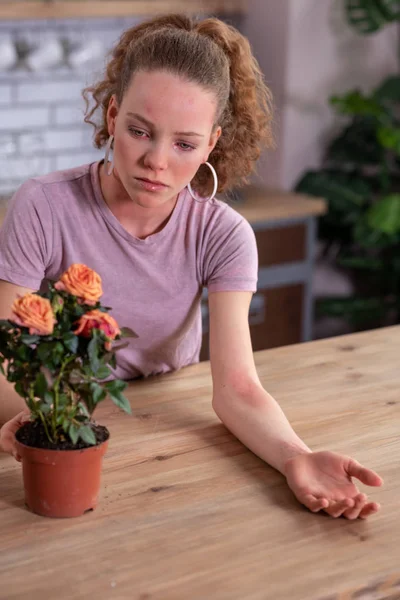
x: 163, y: 131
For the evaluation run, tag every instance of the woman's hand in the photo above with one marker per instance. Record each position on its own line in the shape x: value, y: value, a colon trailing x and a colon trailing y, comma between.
x: 8, y: 431
x: 323, y: 481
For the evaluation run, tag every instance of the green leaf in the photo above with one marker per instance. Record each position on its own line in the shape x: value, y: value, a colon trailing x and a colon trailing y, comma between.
x: 389, y: 137
x: 121, y: 401
x: 361, y: 262
x: 356, y: 145
x: 48, y: 398
x: 93, y: 352
x: 366, y: 16
x: 103, y: 372
x: 71, y: 342
x: 357, y: 310
x: 87, y: 435
x: 20, y: 389
x: 29, y: 339
x: 23, y: 353
x: 116, y: 385
x: 83, y: 409
x: 389, y: 90
x: 40, y: 385
x: 98, y: 393
x: 384, y: 216
x: 356, y: 104
x: 367, y: 237
x: 73, y: 433
x: 343, y: 192
x: 128, y: 332
x: 44, y: 351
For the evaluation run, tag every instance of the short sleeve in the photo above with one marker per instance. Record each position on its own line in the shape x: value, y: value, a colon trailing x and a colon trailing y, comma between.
x: 231, y: 259
x: 26, y: 237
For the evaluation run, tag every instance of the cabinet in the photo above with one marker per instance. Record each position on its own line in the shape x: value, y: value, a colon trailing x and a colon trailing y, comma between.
x: 284, y: 224
x: 60, y: 9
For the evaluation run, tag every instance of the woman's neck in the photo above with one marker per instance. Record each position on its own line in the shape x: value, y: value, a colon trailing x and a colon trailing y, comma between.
x: 138, y: 220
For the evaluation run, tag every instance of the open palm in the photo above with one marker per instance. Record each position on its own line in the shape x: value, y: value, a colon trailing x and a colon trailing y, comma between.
x: 323, y: 481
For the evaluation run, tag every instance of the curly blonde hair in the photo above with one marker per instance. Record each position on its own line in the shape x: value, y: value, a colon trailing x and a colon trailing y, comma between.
x: 217, y: 57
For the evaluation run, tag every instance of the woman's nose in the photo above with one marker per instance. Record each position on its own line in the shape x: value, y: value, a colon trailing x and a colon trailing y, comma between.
x: 156, y: 158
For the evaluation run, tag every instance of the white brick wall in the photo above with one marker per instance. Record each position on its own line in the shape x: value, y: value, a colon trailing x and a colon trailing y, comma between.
x: 41, y: 113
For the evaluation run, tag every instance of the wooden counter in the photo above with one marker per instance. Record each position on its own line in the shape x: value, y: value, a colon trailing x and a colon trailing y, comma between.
x: 63, y: 9
x: 263, y: 205
x: 188, y: 513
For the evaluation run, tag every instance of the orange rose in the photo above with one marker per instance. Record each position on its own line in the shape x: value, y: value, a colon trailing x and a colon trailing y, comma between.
x: 81, y: 281
x: 34, y: 312
x: 95, y: 319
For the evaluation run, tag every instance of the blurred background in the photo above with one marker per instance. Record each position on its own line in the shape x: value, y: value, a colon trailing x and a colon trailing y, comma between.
x: 324, y: 204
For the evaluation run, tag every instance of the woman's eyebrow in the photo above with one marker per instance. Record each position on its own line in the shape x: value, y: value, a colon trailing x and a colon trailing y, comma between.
x: 149, y: 124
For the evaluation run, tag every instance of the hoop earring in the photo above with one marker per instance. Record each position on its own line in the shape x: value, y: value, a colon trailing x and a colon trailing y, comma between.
x: 189, y: 187
x: 109, y: 169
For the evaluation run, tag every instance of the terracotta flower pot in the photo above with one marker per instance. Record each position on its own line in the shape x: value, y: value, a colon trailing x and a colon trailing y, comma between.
x: 61, y: 483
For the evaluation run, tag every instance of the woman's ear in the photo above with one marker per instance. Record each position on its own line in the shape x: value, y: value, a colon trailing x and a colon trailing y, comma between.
x: 112, y: 112
x: 216, y: 134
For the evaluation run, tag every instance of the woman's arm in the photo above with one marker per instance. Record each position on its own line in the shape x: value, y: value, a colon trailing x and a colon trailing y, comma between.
x: 319, y: 480
x: 239, y: 399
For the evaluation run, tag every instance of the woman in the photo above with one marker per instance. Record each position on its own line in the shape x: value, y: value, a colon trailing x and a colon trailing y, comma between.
x: 184, y: 111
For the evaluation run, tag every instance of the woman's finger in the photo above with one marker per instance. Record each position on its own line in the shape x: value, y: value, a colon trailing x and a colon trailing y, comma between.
x: 359, y: 503
x: 313, y: 503
x: 337, y: 508
x: 369, y: 509
x: 355, y: 469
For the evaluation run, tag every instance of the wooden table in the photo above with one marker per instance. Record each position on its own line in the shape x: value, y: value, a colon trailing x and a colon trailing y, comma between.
x: 188, y: 513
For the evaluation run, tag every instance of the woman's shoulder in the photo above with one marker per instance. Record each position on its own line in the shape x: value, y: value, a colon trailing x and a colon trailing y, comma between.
x: 43, y: 189
x: 63, y: 177
x: 216, y: 211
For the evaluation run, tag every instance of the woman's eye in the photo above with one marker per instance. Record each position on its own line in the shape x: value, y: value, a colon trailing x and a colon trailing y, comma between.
x: 137, y: 132
x: 184, y: 146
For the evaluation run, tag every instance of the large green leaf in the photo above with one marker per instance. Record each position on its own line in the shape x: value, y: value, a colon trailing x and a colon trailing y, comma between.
x: 355, y: 103
x: 390, y: 9
x: 366, y: 263
x: 356, y: 145
x: 366, y: 16
x: 357, y: 310
x: 389, y: 137
x: 343, y: 192
x: 389, y: 90
x: 384, y: 216
x: 369, y: 237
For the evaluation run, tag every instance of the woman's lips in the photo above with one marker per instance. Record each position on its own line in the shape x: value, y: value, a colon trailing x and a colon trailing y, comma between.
x: 151, y: 186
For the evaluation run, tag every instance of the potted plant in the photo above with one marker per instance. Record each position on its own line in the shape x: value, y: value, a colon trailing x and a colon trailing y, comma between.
x: 57, y: 348
x: 360, y: 179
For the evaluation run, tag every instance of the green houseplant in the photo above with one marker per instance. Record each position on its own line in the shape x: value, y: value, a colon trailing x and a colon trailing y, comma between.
x: 57, y: 349
x: 360, y: 178
x: 368, y: 16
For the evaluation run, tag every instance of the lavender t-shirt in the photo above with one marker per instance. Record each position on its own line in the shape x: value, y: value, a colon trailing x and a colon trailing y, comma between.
x: 153, y: 285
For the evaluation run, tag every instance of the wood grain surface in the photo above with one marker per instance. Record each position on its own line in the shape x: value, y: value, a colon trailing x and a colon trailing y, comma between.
x: 264, y: 204
x: 63, y: 9
x: 188, y: 513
